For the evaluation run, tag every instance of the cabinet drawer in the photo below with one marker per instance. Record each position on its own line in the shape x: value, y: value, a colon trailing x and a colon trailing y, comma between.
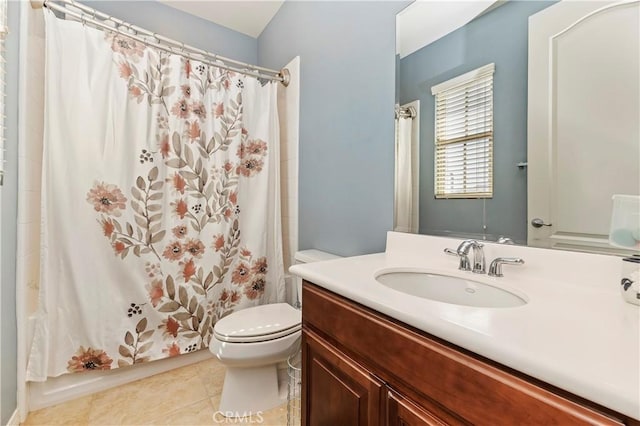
x: 469, y: 388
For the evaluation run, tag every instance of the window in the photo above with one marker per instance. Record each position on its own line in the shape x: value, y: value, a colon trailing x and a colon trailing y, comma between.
x: 464, y: 135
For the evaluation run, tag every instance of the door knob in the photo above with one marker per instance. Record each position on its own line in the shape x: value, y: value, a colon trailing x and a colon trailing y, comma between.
x: 539, y: 223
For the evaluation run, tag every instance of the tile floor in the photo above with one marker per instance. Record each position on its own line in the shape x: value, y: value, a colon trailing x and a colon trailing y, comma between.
x: 186, y: 396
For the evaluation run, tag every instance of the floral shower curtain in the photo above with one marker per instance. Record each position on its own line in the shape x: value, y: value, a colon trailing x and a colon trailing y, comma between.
x: 160, y: 202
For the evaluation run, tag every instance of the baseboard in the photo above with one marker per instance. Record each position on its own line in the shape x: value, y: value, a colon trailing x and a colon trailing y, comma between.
x: 14, y: 420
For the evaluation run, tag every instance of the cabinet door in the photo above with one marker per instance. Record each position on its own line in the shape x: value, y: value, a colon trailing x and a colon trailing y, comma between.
x: 335, y: 389
x: 401, y: 412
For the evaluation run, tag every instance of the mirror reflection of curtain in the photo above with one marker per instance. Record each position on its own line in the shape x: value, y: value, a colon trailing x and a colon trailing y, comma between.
x: 407, y: 169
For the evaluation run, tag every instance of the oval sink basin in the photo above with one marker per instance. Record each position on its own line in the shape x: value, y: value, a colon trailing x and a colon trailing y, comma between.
x: 443, y: 288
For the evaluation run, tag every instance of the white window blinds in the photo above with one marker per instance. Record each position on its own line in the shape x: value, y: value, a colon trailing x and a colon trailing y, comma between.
x: 464, y: 135
x: 3, y: 34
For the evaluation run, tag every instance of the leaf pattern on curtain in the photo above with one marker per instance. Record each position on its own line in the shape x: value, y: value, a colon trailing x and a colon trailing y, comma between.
x: 195, y: 178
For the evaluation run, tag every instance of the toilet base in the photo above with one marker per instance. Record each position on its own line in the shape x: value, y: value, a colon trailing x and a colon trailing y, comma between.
x: 249, y: 390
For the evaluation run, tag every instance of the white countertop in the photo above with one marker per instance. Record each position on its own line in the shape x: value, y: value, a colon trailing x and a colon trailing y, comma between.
x: 575, y: 332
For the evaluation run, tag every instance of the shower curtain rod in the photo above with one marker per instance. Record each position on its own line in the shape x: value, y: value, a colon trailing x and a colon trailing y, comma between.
x: 408, y: 112
x: 89, y: 16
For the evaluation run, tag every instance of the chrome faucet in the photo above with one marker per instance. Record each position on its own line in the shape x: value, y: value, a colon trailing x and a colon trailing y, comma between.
x: 495, y: 269
x: 463, y: 253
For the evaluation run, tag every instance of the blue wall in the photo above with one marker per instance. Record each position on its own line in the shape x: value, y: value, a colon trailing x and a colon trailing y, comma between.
x: 8, y: 328
x: 500, y: 36
x: 183, y: 27
x: 347, y: 57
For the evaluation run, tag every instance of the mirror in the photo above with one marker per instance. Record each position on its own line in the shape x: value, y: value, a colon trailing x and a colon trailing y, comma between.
x: 558, y: 154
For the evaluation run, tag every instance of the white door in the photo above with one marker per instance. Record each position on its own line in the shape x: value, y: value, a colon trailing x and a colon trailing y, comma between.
x: 583, y: 120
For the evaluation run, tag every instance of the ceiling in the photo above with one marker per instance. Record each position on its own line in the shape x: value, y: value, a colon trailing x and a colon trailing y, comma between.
x: 425, y: 21
x: 421, y: 23
x: 247, y: 17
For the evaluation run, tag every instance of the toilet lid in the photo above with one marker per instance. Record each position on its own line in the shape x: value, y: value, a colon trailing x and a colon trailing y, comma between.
x: 259, y: 323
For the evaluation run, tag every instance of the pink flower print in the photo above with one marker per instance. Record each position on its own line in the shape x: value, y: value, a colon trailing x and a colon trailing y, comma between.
x: 188, y: 270
x: 186, y: 91
x: 165, y: 148
x: 173, y: 251
x: 89, y: 359
x: 136, y: 93
x: 106, y: 198
x: 242, y: 151
x: 125, y: 70
x: 255, y: 288
x: 194, y: 247
x: 235, y: 296
x: 228, y: 166
x: 259, y: 266
x: 194, y: 130
x: 241, y: 274
x: 180, y: 109
x: 257, y: 147
x: 180, y: 231
x: 179, y: 183
x: 187, y: 68
x: 233, y: 197
x: 126, y: 46
x: 245, y: 252
x: 169, y: 327
x: 250, y: 167
x: 218, y: 110
x: 180, y: 208
x: 156, y: 292
x: 198, y: 109
x: 218, y: 242
x: 107, y: 227
x: 172, y: 350
x: 118, y: 247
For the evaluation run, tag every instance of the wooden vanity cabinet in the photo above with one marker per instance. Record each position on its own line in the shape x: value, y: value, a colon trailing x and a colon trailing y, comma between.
x: 360, y: 367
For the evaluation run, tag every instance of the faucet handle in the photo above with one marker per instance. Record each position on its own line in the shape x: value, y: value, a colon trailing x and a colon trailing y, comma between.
x: 495, y: 269
x: 464, y: 264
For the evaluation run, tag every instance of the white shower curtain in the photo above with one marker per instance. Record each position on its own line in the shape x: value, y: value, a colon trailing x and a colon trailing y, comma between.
x: 406, y: 181
x: 160, y: 202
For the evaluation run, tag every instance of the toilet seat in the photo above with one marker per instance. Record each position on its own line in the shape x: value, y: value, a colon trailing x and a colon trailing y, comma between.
x: 259, y: 324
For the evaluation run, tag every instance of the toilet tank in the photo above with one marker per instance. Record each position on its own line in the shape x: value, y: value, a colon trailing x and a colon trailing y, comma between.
x: 308, y: 256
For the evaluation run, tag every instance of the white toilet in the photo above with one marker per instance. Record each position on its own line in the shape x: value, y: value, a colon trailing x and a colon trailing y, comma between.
x: 252, y: 342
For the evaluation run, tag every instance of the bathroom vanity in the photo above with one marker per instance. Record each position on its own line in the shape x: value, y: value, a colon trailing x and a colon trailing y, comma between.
x: 376, y: 356
x: 364, y: 368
